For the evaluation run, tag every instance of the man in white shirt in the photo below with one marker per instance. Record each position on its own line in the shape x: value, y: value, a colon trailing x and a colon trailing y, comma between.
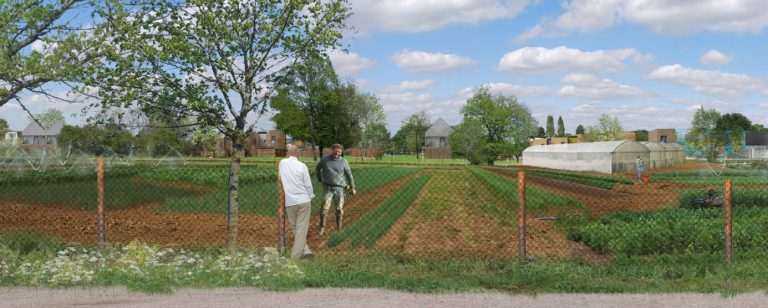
x: 298, y: 196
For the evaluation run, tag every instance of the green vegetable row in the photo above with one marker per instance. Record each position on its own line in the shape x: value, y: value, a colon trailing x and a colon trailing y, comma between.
x: 374, y: 225
x: 673, y: 231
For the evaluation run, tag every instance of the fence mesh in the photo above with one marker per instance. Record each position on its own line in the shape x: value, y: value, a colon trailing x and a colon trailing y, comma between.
x: 420, y: 210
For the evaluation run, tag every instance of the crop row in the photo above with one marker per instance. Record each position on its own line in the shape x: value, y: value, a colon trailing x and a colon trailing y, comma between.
x: 370, y: 228
x: 261, y: 197
x: 673, y: 231
x: 602, y: 181
x: 535, y: 198
x: 714, y: 177
x: 742, y: 197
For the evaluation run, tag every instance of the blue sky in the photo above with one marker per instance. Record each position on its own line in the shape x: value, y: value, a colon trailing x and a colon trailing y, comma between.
x: 651, y: 63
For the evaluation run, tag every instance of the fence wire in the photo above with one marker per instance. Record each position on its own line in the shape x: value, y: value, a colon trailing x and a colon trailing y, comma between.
x: 420, y: 210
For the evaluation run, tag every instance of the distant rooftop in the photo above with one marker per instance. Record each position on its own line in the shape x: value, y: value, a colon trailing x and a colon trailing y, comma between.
x: 33, y: 129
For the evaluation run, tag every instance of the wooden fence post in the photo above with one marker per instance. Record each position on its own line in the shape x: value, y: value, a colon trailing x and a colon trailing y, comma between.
x: 728, y: 214
x: 521, y: 214
x: 281, y: 242
x: 100, y: 198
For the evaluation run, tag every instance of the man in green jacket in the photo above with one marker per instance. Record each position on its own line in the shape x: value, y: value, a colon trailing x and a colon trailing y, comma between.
x: 334, y: 172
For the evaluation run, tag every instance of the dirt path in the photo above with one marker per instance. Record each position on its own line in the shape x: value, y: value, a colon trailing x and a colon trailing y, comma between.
x: 242, y: 297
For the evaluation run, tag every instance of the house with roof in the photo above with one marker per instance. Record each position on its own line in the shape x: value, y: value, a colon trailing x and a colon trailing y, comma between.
x: 756, y: 145
x: 35, y: 136
x: 436, y: 140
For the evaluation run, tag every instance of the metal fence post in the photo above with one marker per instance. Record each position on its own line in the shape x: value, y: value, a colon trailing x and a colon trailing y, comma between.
x: 100, y: 200
x: 728, y: 214
x: 280, y: 213
x: 521, y: 214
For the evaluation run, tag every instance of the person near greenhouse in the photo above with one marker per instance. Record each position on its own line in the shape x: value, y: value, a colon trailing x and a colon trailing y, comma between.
x: 334, y: 172
x: 640, y: 168
x: 297, y: 186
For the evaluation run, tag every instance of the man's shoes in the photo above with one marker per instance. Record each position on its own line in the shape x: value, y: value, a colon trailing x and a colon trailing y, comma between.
x: 308, y: 256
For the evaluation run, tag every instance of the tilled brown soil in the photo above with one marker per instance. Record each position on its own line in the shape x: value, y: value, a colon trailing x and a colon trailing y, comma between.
x: 141, y: 223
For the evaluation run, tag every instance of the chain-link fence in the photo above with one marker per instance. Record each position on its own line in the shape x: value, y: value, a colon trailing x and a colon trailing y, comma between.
x: 420, y: 210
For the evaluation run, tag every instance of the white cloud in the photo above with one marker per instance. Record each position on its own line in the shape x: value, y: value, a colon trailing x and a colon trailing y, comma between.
x: 409, y: 86
x: 18, y: 118
x: 662, y: 16
x: 347, y: 64
x: 508, y: 89
x: 420, y: 61
x: 715, y: 57
x: 428, y: 15
x: 43, y: 47
x: 404, y: 98
x: 545, y: 60
x: 714, y: 83
x: 592, y: 88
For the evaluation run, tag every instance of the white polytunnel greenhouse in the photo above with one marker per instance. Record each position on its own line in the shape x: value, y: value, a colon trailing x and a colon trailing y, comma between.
x: 606, y: 157
x: 665, y: 154
x: 658, y: 155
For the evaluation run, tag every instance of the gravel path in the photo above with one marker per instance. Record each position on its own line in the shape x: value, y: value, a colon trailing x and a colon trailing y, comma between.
x: 116, y: 297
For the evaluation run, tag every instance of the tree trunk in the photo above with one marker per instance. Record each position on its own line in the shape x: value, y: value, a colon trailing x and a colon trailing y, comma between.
x: 233, y: 187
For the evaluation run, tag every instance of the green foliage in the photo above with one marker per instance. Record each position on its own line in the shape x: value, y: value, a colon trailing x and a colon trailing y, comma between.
x: 467, y: 140
x: 21, y: 244
x: 641, y: 135
x: 312, y: 104
x: 560, y: 127
x: 506, y: 124
x: 607, y: 129
x: 3, y: 128
x: 731, y: 127
x: 375, y: 224
x: 703, y: 132
x: 157, y: 142
x: 66, y: 50
x: 674, y: 231
x: 550, y: 126
x: 96, y: 141
x: 173, y: 75
x: 580, y: 129
x: 49, y: 117
x: 412, y: 132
